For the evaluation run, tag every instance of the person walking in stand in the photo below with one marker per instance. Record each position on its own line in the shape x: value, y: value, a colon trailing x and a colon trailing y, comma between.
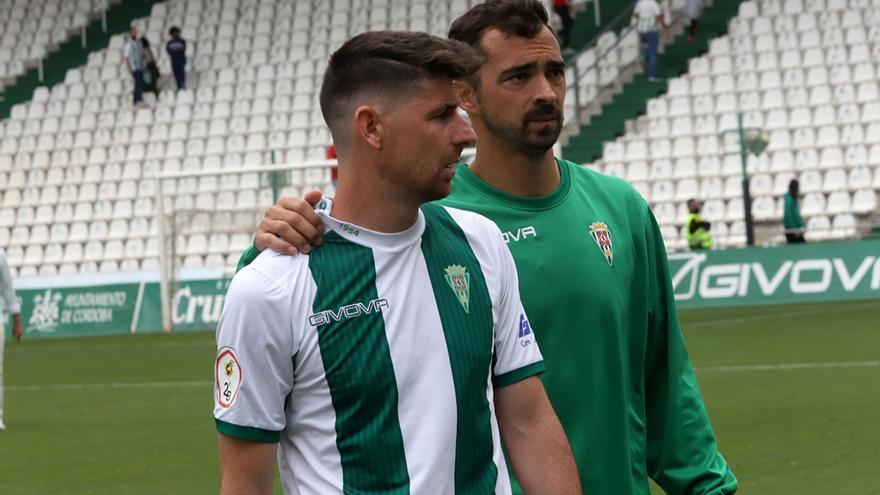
x: 791, y: 219
x: 11, y: 305
x: 593, y: 271
x: 563, y: 10
x: 132, y: 54
x: 176, y: 49
x: 151, y: 70
x: 649, y: 19
x: 395, y: 357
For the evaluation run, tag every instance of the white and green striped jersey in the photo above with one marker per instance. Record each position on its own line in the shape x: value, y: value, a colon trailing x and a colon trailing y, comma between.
x: 373, y: 359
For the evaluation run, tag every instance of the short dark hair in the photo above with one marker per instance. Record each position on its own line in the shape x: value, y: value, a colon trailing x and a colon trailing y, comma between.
x: 523, y: 18
x: 174, y: 30
x: 389, y: 63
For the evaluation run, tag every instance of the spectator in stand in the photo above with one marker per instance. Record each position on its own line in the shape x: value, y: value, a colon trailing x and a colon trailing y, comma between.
x: 648, y: 16
x: 693, y: 9
x: 563, y: 10
x: 696, y: 231
x: 151, y: 70
x: 176, y: 49
x: 7, y: 295
x: 792, y: 220
x: 133, y: 56
x: 334, y: 172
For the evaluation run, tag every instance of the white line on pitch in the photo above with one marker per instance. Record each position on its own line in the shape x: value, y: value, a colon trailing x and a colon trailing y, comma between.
x: 81, y: 386
x: 789, y: 366
x: 780, y: 314
x: 11, y: 347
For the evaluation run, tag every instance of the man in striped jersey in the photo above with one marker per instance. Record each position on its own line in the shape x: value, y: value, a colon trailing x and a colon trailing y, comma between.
x: 395, y: 357
x: 592, y: 267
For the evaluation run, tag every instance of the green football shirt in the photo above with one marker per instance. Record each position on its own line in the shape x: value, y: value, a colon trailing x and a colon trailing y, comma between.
x: 595, y: 283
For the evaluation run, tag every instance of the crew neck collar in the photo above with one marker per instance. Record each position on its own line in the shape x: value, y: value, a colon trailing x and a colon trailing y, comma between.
x: 521, y: 202
x: 370, y: 238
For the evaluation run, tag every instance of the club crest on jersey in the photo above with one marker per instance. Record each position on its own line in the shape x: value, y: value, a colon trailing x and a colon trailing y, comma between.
x: 459, y: 281
x: 600, y: 233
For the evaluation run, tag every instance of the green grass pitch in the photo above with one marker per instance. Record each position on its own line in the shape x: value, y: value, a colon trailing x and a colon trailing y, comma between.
x: 793, y: 393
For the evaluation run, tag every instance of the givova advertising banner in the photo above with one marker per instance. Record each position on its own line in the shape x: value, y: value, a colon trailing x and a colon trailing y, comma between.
x: 130, y: 303
x: 786, y: 274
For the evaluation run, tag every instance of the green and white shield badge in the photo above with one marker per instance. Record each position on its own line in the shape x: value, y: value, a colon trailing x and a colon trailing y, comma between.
x: 459, y: 281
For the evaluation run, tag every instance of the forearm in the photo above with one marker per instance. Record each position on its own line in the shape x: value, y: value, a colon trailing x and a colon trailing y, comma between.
x: 541, y: 457
x: 537, y: 448
x: 246, y: 468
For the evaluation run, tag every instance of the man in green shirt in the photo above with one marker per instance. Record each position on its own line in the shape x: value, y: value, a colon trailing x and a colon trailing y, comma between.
x: 791, y: 219
x: 593, y: 271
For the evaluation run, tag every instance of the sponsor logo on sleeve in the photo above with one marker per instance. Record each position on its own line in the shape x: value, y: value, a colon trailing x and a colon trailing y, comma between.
x: 525, y: 331
x: 228, y: 377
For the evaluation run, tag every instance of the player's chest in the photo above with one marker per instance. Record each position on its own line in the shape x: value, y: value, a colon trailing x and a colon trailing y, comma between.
x: 571, y: 246
x: 415, y: 315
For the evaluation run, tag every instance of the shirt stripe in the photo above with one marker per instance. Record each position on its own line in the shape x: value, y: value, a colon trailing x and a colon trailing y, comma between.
x: 359, y: 371
x: 469, y: 341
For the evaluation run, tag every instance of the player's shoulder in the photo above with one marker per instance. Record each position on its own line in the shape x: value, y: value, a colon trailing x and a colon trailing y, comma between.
x: 597, y: 182
x: 471, y: 222
x: 273, y: 269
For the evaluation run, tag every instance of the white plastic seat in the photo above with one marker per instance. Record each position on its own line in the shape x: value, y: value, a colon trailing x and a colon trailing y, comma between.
x: 813, y: 204
x: 839, y: 202
x: 818, y: 228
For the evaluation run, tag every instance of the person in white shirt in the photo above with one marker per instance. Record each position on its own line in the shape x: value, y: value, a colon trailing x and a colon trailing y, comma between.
x: 396, y: 356
x: 7, y: 296
x: 693, y: 9
x: 132, y: 55
x: 648, y: 16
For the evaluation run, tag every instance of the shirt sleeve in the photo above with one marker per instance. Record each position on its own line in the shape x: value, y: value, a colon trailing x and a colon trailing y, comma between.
x: 517, y: 355
x: 253, y: 371
x: 8, y: 292
x: 683, y: 456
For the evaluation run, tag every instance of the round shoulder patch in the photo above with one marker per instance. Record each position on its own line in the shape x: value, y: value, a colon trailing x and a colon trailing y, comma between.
x: 228, y: 376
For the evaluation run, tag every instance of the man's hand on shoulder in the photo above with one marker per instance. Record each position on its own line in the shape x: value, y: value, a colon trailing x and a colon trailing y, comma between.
x: 291, y: 225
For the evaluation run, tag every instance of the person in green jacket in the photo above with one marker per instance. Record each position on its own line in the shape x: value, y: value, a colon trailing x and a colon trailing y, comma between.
x: 696, y: 231
x: 791, y: 219
x: 593, y: 272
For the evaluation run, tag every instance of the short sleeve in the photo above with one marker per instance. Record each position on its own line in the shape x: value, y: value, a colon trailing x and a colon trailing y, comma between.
x: 517, y: 356
x: 253, y: 369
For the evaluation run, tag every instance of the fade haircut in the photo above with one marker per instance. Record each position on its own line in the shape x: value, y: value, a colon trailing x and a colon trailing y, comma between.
x: 523, y: 18
x: 387, y: 64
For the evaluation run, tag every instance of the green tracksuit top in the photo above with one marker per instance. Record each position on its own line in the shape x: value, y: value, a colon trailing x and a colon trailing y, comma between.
x: 791, y: 218
x: 595, y: 283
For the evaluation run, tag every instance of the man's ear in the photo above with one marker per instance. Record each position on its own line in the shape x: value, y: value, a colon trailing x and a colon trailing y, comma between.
x: 467, y: 95
x: 369, y: 126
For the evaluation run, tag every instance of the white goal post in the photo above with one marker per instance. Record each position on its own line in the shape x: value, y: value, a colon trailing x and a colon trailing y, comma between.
x: 228, y: 201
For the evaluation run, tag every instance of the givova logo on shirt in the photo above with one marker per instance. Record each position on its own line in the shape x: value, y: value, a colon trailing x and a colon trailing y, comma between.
x: 347, y: 311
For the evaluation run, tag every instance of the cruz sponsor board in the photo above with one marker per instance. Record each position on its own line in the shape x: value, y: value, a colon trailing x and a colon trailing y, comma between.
x: 786, y: 274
